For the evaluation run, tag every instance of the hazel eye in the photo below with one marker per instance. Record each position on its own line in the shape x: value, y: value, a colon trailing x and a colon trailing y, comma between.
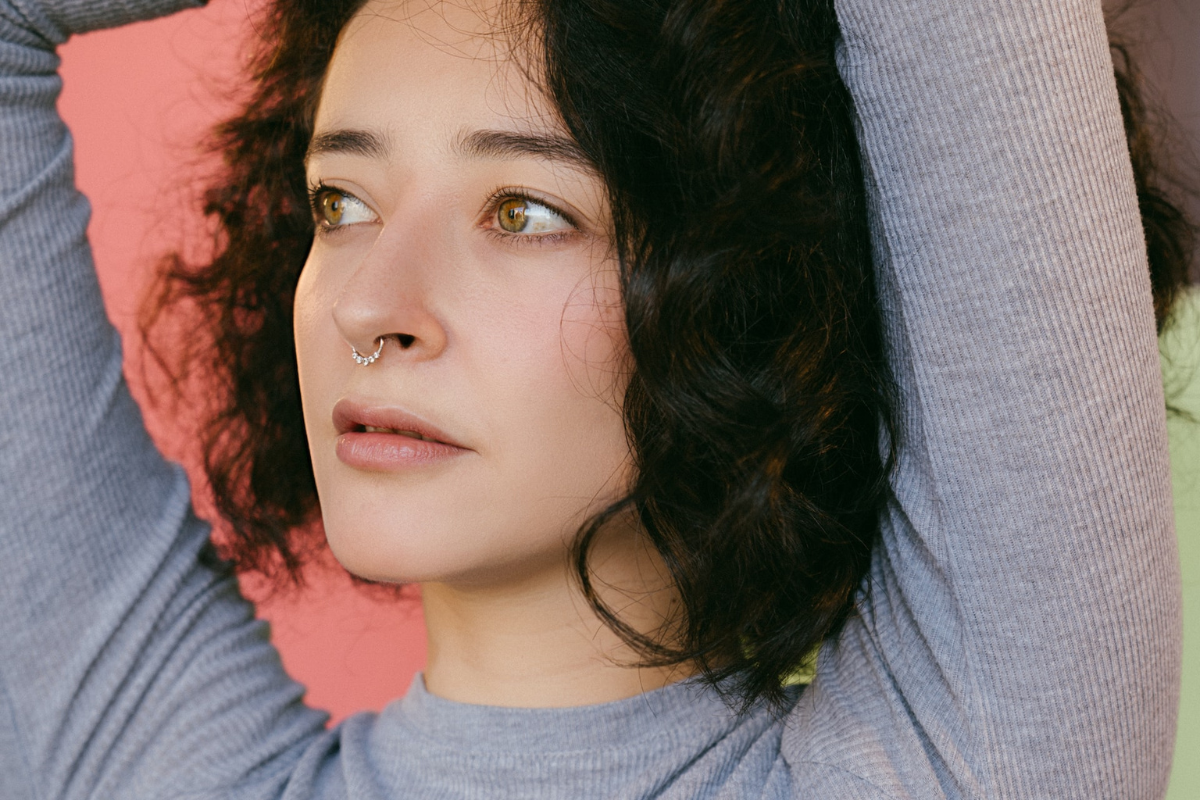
x: 522, y: 215
x: 332, y: 206
x: 336, y: 209
x: 511, y: 215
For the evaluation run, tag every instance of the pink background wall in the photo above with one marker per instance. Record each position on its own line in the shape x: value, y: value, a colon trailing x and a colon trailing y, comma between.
x: 138, y: 100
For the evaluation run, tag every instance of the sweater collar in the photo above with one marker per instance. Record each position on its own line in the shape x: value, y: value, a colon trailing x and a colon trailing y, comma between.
x: 688, y: 708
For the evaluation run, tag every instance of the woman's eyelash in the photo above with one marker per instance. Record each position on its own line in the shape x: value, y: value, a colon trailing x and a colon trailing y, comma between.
x: 314, y: 197
x: 501, y: 196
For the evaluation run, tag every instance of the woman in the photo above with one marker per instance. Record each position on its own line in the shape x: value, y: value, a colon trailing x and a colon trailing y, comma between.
x: 509, y: 327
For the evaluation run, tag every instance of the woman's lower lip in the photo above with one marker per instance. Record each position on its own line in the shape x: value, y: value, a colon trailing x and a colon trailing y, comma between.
x: 390, y: 452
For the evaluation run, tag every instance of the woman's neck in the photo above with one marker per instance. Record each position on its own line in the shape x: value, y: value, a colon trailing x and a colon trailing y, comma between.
x: 536, y: 642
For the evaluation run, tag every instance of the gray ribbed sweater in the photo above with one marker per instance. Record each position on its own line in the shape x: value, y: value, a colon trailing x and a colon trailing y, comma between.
x: 1022, y: 636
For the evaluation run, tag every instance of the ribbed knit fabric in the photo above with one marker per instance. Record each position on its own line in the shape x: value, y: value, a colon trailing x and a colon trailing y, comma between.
x: 1021, y: 637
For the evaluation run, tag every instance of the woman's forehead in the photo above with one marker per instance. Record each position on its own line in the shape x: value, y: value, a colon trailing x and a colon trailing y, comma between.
x: 470, y: 28
x: 416, y: 63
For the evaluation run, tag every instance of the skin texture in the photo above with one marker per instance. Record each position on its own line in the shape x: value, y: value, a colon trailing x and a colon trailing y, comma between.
x: 510, y: 343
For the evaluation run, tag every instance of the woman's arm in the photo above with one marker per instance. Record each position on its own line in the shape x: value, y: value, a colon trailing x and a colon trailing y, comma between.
x: 121, y: 654
x: 1021, y: 634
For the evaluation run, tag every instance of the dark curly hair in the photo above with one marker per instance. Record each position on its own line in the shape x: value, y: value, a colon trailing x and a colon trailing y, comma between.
x: 758, y: 409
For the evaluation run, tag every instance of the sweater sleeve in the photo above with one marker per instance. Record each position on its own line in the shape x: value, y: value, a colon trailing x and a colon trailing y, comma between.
x: 111, y: 610
x: 1020, y: 636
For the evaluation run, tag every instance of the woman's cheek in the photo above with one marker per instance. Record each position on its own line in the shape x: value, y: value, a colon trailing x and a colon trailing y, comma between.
x: 311, y: 317
x: 595, y: 357
x: 595, y: 348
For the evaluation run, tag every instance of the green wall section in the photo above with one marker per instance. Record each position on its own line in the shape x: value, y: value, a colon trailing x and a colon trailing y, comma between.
x: 1181, y: 367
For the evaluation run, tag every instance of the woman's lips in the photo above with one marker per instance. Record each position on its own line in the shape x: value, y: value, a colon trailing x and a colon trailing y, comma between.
x: 384, y: 438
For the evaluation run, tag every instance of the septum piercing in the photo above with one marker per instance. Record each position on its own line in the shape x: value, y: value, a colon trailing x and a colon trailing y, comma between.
x: 366, y: 361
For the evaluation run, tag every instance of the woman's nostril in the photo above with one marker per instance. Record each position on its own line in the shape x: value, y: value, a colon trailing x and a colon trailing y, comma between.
x: 405, y: 340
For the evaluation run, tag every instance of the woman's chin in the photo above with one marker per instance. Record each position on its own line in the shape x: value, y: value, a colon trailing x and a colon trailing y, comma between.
x: 433, y: 556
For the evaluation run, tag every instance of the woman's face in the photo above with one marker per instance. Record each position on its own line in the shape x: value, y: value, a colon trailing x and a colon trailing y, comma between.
x: 456, y: 221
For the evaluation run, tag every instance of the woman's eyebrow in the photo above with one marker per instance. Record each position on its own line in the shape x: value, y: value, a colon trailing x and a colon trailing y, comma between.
x: 507, y: 144
x: 472, y: 144
x: 351, y: 141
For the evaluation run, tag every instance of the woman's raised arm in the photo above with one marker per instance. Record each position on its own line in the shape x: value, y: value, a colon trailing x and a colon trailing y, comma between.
x: 120, y: 653
x: 1021, y: 635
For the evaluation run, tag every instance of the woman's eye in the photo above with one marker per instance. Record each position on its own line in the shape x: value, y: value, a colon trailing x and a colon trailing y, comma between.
x: 335, y: 209
x: 522, y: 215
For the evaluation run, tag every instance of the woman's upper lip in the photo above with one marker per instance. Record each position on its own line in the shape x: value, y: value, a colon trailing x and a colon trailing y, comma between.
x: 350, y: 415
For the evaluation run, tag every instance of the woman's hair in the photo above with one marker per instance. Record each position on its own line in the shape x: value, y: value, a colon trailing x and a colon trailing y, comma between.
x: 758, y: 409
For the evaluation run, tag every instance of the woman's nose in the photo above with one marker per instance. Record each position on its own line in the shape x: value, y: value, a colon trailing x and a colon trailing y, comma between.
x: 386, y: 305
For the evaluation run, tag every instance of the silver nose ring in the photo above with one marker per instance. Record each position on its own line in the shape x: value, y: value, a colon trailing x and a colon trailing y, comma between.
x: 366, y: 361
